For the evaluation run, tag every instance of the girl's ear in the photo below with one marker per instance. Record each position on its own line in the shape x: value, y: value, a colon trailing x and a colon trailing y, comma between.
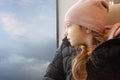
x: 88, y: 31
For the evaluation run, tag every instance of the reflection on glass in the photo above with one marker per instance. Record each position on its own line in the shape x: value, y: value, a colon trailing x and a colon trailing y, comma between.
x: 27, y: 38
x: 112, y: 2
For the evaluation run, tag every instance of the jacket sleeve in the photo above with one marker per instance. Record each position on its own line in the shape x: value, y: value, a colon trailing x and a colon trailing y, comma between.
x: 55, y: 69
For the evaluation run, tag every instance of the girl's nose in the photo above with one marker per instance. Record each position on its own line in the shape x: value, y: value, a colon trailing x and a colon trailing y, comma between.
x: 65, y: 33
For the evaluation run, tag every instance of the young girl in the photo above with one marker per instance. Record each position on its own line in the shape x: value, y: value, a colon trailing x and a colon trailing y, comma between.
x: 85, y: 28
x: 89, y: 56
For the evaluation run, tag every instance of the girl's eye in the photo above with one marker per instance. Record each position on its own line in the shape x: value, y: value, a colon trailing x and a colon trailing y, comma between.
x: 68, y: 25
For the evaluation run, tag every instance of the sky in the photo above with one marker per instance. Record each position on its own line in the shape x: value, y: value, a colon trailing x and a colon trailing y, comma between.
x: 27, y: 38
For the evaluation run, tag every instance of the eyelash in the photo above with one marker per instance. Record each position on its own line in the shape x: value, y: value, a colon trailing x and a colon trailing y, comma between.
x: 68, y: 25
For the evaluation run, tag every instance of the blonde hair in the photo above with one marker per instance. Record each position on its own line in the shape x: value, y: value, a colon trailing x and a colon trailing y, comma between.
x: 79, y: 62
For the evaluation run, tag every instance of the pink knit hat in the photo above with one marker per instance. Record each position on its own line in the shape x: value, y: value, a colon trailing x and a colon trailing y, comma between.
x: 91, y: 14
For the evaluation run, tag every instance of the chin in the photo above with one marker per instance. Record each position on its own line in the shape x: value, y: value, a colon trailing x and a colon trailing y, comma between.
x: 72, y: 44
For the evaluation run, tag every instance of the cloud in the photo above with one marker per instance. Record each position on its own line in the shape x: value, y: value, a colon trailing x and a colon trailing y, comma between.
x: 26, y: 62
x: 12, y: 25
x: 2, y: 2
x: 26, y: 2
x: 27, y: 56
x: 42, y: 50
x: 44, y: 17
x: 17, y: 67
x: 19, y: 2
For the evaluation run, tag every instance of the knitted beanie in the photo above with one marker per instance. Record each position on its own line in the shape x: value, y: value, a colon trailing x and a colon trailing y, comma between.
x: 91, y: 14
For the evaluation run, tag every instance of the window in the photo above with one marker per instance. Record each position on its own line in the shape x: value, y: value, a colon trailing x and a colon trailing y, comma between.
x: 27, y: 38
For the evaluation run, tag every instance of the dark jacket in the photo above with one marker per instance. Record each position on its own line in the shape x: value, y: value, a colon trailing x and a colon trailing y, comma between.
x: 104, y: 63
x: 60, y: 67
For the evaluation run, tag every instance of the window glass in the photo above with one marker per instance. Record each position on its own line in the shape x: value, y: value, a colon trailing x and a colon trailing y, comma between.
x: 27, y: 38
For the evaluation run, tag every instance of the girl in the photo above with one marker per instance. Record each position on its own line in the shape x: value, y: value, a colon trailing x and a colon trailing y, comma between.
x: 85, y: 28
x: 89, y: 55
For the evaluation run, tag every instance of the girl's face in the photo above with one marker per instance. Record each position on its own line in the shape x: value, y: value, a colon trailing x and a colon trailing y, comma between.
x: 75, y: 34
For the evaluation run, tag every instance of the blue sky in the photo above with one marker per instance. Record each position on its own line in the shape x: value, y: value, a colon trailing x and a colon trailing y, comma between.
x: 27, y: 38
